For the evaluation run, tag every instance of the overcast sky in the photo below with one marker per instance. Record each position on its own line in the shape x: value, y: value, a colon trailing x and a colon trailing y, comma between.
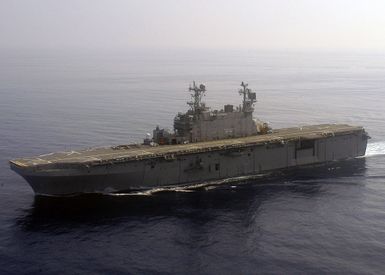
x: 262, y: 24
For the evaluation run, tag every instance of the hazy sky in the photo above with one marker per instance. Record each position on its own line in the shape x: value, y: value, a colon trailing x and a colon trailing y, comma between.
x: 266, y: 24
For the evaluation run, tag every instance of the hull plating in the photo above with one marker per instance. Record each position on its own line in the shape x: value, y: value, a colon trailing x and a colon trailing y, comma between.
x: 194, y: 168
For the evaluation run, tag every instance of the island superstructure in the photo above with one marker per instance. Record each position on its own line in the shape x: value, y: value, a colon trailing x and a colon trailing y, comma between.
x: 200, y: 124
x: 206, y: 145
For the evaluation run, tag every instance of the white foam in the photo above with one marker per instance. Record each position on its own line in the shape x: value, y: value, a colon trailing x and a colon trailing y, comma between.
x: 375, y: 149
x: 208, y: 185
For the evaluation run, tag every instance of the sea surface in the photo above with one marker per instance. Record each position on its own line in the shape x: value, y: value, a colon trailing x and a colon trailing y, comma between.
x: 328, y: 220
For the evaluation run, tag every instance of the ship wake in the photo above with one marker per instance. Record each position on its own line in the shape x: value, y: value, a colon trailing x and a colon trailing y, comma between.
x: 375, y: 149
x: 207, y: 185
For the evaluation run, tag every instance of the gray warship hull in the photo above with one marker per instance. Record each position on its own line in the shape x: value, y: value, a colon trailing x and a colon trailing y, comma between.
x: 132, y: 167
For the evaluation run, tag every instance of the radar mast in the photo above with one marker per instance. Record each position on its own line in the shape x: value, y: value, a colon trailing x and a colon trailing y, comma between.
x: 249, y: 98
x: 197, y: 93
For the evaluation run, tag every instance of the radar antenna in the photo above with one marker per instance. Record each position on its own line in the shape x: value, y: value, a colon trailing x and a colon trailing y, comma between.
x: 197, y: 93
x: 249, y: 98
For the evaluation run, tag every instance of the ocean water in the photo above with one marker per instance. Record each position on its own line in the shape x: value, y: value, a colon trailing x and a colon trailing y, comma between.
x: 321, y: 220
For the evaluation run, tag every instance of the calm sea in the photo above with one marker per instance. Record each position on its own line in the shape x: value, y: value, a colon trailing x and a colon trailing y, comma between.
x: 326, y: 220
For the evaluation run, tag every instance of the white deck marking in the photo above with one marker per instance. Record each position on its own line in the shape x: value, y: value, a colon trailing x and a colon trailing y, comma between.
x: 72, y: 153
x: 46, y: 155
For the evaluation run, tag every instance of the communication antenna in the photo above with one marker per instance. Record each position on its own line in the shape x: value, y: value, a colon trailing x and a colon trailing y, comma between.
x: 197, y: 94
x: 249, y: 98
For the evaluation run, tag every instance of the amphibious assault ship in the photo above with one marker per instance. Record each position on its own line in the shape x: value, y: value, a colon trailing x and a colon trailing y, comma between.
x: 206, y: 145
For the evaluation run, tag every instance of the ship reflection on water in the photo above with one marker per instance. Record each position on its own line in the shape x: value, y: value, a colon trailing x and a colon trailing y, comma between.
x: 195, y: 203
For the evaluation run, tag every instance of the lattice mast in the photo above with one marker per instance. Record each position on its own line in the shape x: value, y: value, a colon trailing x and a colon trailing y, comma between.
x: 249, y: 98
x: 197, y: 93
